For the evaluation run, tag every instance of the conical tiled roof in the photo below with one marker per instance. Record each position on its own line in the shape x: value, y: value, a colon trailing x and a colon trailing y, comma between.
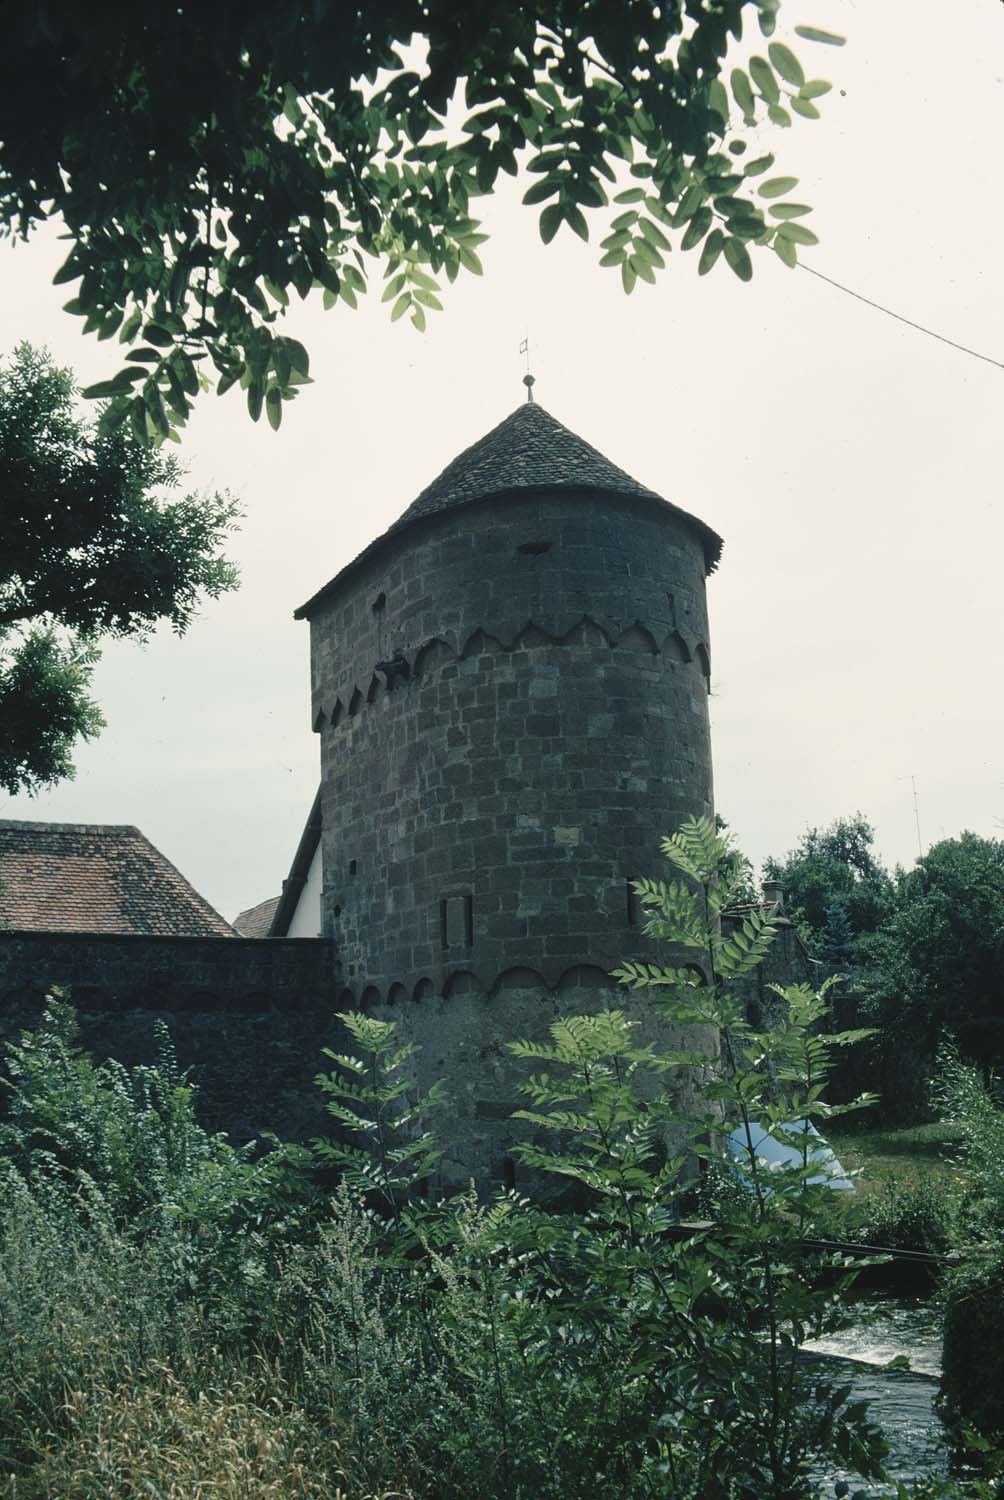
x: 528, y: 452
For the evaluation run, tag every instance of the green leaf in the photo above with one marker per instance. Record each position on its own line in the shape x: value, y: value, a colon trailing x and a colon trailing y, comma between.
x: 551, y: 220
x: 628, y: 277
x: 654, y: 234
x: 273, y: 408
x: 739, y: 259
x: 776, y: 187
x: 106, y: 388
x: 401, y: 306
x: 786, y: 63
x: 130, y: 327
x: 110, y: 324
x: 718, y: 100
x: 469, y: 260
x: 640, y: 264
x: 789, y: 210
x: 576, y: 220
x: 763, y: 77
x: 804, y: 107
x: 778, y: 116
x: 798, y: 233
x: 747, y: 228
x: 155, y: 334
x: 713, y: 246
x: 742, y: 91
x: 296, y: 354
x: 647, y: 253
x: 276, y: 292
x: 137, y: 418
x: 697, y: 229
x: 815, y: 34
x: 68, y: 270
x: 815, y: 89
x: 760, y: 164
x: 689, y: 204
x: 630, y: 195
x: 542, y: 190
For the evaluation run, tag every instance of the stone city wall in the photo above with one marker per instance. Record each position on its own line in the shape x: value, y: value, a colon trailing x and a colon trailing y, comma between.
x: 248, y: 1016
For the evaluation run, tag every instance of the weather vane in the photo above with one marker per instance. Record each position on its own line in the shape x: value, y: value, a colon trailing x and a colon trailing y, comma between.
x: 528, y: 379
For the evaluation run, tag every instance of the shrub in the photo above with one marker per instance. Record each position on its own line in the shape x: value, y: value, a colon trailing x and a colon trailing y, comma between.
x: 915, y: 1215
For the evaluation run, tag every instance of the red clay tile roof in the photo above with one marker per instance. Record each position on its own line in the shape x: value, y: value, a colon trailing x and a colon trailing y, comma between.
x: 81, y: 877
x: 256, y: 922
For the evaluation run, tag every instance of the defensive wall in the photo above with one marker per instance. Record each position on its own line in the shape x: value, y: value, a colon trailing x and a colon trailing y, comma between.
x: 248, y: 1016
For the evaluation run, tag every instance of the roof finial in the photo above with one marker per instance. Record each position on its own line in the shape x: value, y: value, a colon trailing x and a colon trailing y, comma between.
x: 528, y: 379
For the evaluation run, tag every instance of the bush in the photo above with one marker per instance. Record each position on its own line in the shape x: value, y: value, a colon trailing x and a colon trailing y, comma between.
x: 186, y: 1317
x: 914, y: 1215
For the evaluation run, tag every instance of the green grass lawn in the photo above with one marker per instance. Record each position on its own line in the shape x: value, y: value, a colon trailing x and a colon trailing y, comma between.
x: 908, y: 1157
x: 910, y: 1188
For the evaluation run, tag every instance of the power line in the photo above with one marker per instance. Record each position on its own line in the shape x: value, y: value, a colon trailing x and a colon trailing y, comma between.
x: 900, y: 318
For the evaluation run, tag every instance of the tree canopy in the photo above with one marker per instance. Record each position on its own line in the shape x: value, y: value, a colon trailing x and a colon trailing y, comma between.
x: 92, y: 546
x: 938, y: 963
x: 832, y: 874
x: 210, y: 161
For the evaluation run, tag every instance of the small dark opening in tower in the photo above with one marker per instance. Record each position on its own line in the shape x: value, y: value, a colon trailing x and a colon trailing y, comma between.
x: 533, y: 549
x: 352, y: 867
x: 338, y: 911
x: 378, y: 603
x: 508, y: 1173
x: 456, y: 921
x: 631, y: 896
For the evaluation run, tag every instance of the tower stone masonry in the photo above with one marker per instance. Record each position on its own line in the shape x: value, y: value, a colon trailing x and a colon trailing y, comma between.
x: 510, y: 686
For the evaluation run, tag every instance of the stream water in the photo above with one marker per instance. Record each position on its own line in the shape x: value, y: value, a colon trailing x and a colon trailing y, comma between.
x: 901, y: 1401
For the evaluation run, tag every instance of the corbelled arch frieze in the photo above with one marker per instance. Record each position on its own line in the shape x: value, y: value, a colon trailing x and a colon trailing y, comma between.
x: 675, y: 648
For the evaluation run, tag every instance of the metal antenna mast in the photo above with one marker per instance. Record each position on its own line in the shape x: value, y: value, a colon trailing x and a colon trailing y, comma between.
x: 916, y: 812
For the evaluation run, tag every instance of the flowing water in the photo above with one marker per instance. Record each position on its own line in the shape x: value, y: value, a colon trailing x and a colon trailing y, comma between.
x: 902, y: 1401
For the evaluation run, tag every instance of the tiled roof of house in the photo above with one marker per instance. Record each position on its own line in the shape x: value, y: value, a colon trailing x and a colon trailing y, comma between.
x: 527, y: 452
x: 256, y: 922
x: 82, y: 877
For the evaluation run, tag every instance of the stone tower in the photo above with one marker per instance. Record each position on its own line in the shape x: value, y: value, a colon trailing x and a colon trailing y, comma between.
x: 511, y: 691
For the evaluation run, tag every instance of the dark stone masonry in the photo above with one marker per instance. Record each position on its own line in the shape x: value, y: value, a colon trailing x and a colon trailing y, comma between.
x: 511, y: 692
x: 249, y: 1017
x: 510, y: 687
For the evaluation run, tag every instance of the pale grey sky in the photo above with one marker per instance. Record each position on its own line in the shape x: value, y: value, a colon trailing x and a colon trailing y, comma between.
x: 852, y: 465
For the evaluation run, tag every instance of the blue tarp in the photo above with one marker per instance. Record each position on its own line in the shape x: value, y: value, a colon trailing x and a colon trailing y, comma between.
x: 776, y: 1153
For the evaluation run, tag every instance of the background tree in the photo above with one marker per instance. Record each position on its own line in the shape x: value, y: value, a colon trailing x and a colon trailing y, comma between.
x: 831, y: 868
x: 208, y: 161
x: 937, y: 964
x: 90, y: 548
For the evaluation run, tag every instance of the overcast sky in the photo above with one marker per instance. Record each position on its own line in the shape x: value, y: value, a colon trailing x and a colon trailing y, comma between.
x: 852, y: 465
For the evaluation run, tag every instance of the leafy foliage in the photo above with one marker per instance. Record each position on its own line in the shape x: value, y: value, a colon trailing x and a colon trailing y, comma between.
x: 835, y: 867
x: 91, y: 549
x: 936, y: 964
x: 209, y: 163
x: 399, y: 1344
x: 372, y: 1097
